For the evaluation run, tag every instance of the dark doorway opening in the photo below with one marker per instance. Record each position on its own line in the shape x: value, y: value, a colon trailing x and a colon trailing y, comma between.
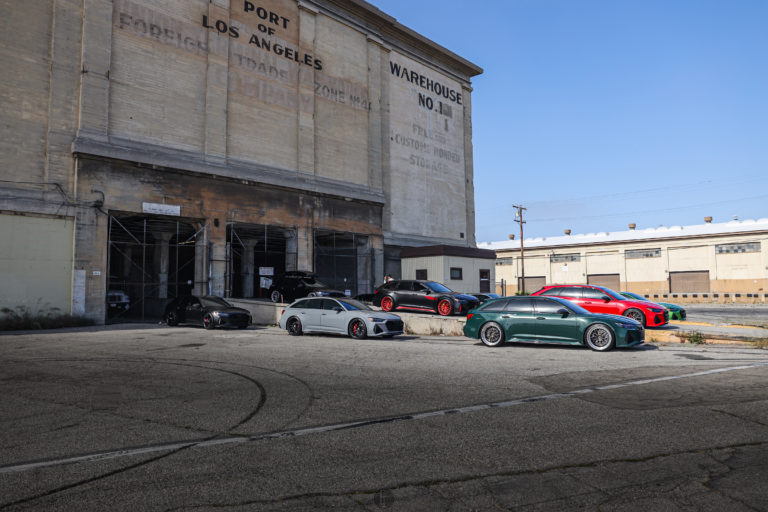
x: 256, y: 253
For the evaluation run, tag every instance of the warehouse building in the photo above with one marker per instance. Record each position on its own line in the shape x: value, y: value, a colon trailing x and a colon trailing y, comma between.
x: 161, y: 147
x: 720, y: 262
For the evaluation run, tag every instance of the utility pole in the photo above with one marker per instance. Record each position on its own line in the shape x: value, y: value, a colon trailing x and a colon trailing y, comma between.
x: 519, y: 219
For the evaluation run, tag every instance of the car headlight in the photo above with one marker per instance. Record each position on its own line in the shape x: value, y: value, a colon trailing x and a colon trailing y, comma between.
x: 655, y: 310
x: 374, y: 319
x: 628, y: 325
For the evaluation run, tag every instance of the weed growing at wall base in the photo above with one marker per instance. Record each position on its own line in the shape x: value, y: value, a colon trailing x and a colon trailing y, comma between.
x: 21, y: 319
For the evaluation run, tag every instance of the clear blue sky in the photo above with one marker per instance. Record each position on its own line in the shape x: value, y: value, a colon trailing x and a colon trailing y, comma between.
x: 597, y: 113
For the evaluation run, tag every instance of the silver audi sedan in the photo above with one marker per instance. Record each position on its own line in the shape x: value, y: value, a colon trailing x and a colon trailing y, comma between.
x: 339, y: 316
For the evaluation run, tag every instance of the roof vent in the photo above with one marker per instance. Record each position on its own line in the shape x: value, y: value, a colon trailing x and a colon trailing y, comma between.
x: 568, y: 232
x: 511, y: 236
x: 632, y: 226
x: 708, y: 220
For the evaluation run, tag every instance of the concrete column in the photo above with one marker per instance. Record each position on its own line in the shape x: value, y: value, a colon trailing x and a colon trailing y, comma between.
x: 306, y: 112
x: 247, y: 267
x: 466, y: 94
x: 162, y: 252
x: 96, y: 58
x: 305, y: 258
x: 291, y: 250
x: 376, y: 134
x: 200, y: 286
x: 217, y: 86
x: 217, y: 237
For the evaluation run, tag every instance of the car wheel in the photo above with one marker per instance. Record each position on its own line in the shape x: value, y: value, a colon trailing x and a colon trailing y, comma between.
x: 491, y: 334
x: 357, y: 329
x: 171, y: 319
x: 444, y: 307
x: 294, y: 327
x: 599, y: 337
x: 208, y: 321
x: 635, y: 314
x: 275, y: 296
x: 387, y: 304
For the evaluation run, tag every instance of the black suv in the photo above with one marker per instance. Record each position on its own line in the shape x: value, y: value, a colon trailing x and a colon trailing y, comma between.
x: 422, y: 296
x: 296, y: 284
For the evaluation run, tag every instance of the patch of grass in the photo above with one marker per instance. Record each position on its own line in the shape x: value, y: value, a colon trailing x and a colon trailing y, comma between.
x: 22, y: 319
x: 694, y: 338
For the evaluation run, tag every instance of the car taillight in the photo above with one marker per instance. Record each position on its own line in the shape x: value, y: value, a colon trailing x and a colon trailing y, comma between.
x: 469, y: 315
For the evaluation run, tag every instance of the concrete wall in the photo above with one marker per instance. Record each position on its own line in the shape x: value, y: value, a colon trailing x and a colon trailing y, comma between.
x: 36, y: 263
x: 439, y: 269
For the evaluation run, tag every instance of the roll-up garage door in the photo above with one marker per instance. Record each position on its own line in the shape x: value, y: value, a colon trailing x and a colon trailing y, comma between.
x: 532, y: 284
x: 695, y: 281
x: 611, y: 281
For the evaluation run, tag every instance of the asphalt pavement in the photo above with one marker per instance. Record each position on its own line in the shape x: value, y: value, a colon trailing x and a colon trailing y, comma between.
x: 157, y: 418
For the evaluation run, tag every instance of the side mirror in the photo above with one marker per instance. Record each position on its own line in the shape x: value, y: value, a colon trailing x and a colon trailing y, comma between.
x: 338, y: 309
x: 563, y: 312
x: 606, y: 298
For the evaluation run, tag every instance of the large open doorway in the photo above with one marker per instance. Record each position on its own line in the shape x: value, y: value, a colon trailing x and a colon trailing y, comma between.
x: 151, y: 260
x: 344, y: 261
x: 255, y: 254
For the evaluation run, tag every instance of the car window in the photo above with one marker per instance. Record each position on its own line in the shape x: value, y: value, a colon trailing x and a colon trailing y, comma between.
x: 521, y: 305
x: 496, y: 305
x: 330, y: 304
x: 193, y: 301
x: 213, y: 302
x: 313, y: 304
x: 553, y: 291
x: 571, y: 291
x: 437, y: 287
x: 404, y: 286
x: 544, y: 306
x: 418, y: 287
x: 593, y: 293
x: 302, y: 304
x: 354, y: 305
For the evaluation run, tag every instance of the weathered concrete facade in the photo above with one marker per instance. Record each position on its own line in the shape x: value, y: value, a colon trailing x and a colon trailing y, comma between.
x: 308, y: 116
x: 710, y: 262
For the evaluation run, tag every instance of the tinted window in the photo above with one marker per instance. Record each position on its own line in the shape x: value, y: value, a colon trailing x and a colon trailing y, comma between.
x: 437, y: 287
x: 554, y: 291
x: 404, y: 285
x: 311, y: 304
x: 571, y: 291
x: 330, y: 304
x: 496, y: 305
x: 544, y: 306
x: 213, y: 302
x: 522, y: 305
x: 593, y: 293
x: 418, y: 287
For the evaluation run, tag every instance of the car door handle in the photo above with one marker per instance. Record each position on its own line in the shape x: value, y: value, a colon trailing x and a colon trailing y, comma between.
x: 540, y: 318
x: 506, y: 316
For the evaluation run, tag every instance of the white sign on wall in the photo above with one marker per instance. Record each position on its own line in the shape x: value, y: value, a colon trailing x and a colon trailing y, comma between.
x: 161, y: 209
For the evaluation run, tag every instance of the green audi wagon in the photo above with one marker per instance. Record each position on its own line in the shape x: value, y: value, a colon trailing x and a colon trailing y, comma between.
x: 550, y: 320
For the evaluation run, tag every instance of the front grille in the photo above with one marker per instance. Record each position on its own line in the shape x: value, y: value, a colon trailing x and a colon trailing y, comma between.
x: 394, y: 325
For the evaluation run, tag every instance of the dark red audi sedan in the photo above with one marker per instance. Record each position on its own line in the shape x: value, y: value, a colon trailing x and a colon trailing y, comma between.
x: 598, y: 299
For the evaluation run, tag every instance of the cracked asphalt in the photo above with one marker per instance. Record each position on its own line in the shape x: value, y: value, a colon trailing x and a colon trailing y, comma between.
x: 148, y: 417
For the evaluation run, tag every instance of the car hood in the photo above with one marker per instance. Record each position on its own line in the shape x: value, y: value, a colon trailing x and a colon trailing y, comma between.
x: 385, y: 316
x: 640, y: 304
x: 671, y: 307
x: 465, y: 296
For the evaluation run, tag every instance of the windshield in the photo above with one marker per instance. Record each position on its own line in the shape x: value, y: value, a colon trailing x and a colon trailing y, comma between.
x: 314, y: 283
x: 354, y: 305
x: 438, y: 288
x: 213, y: 302
x: 612, y: 294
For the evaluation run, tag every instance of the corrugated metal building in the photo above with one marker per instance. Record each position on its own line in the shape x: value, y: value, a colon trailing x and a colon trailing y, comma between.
x: 159, y: 147
x: 705, y: 262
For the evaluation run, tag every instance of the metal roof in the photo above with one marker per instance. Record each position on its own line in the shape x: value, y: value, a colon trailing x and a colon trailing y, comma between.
x: 633, y: 235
